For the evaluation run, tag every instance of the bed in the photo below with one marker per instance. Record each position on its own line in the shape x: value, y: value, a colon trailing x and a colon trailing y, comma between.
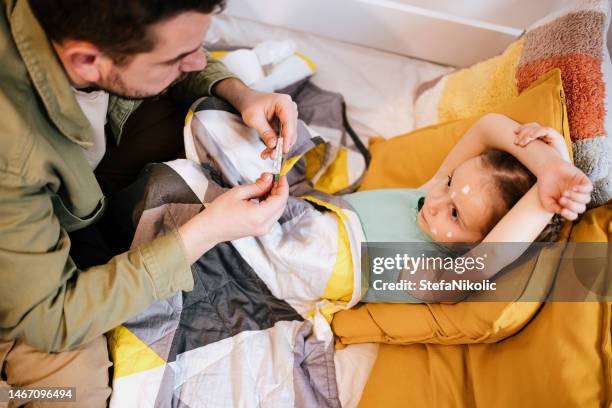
x: 381, y: 104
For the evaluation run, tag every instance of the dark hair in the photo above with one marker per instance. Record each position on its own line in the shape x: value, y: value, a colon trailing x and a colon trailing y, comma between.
x: 512, y: 180
x: 119, y: 29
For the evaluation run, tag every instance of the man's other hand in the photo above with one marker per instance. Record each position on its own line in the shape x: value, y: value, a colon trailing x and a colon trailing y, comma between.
x: 262, y: 111
x: 259, y: 112
x: 240, y: 212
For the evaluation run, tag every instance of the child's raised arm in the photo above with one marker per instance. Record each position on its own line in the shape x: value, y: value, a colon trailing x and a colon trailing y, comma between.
x: 495, y: 131
x: 561, y: 188
x: 523, y: 223
x: 519, y: 228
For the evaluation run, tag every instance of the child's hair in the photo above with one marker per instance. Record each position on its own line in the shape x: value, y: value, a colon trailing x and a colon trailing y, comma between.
x: 512, y: 180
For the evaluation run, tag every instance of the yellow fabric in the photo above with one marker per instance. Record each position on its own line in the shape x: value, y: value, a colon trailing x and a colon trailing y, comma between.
x: 595, y: 226
x: 288, y: 164
x: 562, y: 358
x: 339, y: 287
x: 492, y: 354
x: 462, y: 323
x: 330, y: 309
x: 129, y: 354
x: 220, y: 54
x: 308, y: 61
x: 336, y: 176
x: 340, y: 284
x: 409, y: 161
x: 188, y: 117
x: 466, y: 94
x: 412, y: 159
x: 314, y: 160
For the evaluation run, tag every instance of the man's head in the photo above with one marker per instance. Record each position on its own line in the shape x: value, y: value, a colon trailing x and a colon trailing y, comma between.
x: 136, y: 49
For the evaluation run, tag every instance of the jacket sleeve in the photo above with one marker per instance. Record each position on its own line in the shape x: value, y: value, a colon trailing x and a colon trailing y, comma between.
x: 50, y: 304
x: 199, y: 84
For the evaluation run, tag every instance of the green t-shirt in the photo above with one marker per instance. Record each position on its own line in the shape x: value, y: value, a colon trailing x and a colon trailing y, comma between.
x: 389, y: 215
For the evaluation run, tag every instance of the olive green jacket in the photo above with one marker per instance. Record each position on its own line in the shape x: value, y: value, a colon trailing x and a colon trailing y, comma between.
x: 47, y: 188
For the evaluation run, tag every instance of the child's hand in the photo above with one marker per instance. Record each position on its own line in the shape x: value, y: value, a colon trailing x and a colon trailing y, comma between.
x: 564, y: 189
x: 529, y: 132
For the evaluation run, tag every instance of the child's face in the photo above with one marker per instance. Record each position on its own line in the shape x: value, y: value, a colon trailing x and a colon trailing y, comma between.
x: 459, y: 208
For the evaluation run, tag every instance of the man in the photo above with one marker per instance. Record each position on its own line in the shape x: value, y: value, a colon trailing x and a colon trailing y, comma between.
x: 73, y: 75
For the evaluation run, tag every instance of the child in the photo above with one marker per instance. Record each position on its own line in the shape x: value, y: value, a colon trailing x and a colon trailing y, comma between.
x: 502, y: 182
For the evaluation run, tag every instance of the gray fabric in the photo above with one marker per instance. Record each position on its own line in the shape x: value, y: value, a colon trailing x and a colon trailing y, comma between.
x: 584, y: 158
x: 165, y: 395
x: 305, y: 141
x: 156, y: 327
x: 295, y: 208
x: 163, y: 218
x: 228, y: 297
x: 319, y: 108
x: 314, y: 374
x: 598, y: 167
x: 171, y: 399
x: 338, y: 201
x: 206, y: 156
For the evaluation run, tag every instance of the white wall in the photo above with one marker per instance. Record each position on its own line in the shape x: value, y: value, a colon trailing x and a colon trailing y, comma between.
x: 510, y: 13
x: 457, y: 33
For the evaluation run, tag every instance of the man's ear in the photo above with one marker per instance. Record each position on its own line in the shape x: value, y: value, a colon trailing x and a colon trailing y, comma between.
x: 83, y: 59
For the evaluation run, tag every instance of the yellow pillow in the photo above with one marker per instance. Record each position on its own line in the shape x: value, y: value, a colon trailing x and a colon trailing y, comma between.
x: 560, y: 359
x: 409, y: 161
x: 572, y: 39
x: 412, y: 159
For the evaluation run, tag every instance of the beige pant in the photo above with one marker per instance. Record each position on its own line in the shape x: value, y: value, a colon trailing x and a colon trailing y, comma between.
x: 85, y: 368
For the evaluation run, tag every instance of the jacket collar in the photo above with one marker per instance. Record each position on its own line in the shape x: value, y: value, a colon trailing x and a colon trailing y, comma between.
x: 47, y: 74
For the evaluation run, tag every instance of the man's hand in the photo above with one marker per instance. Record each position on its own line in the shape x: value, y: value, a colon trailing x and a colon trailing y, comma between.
x: 259, y: 111
x: 564, y: 189
x: 263, y: 112
x: 235, y: 214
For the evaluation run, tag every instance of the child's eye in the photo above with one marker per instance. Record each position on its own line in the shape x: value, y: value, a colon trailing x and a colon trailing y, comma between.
x: 450, y: 179
x: 454, y: 214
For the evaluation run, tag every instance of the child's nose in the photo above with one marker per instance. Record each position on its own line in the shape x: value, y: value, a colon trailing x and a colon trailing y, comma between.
x: 435, y: 204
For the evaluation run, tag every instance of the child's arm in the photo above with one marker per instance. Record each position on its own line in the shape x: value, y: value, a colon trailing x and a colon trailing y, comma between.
x: 526, y: 220
x: 495, y: 131
x: 564, y: 185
